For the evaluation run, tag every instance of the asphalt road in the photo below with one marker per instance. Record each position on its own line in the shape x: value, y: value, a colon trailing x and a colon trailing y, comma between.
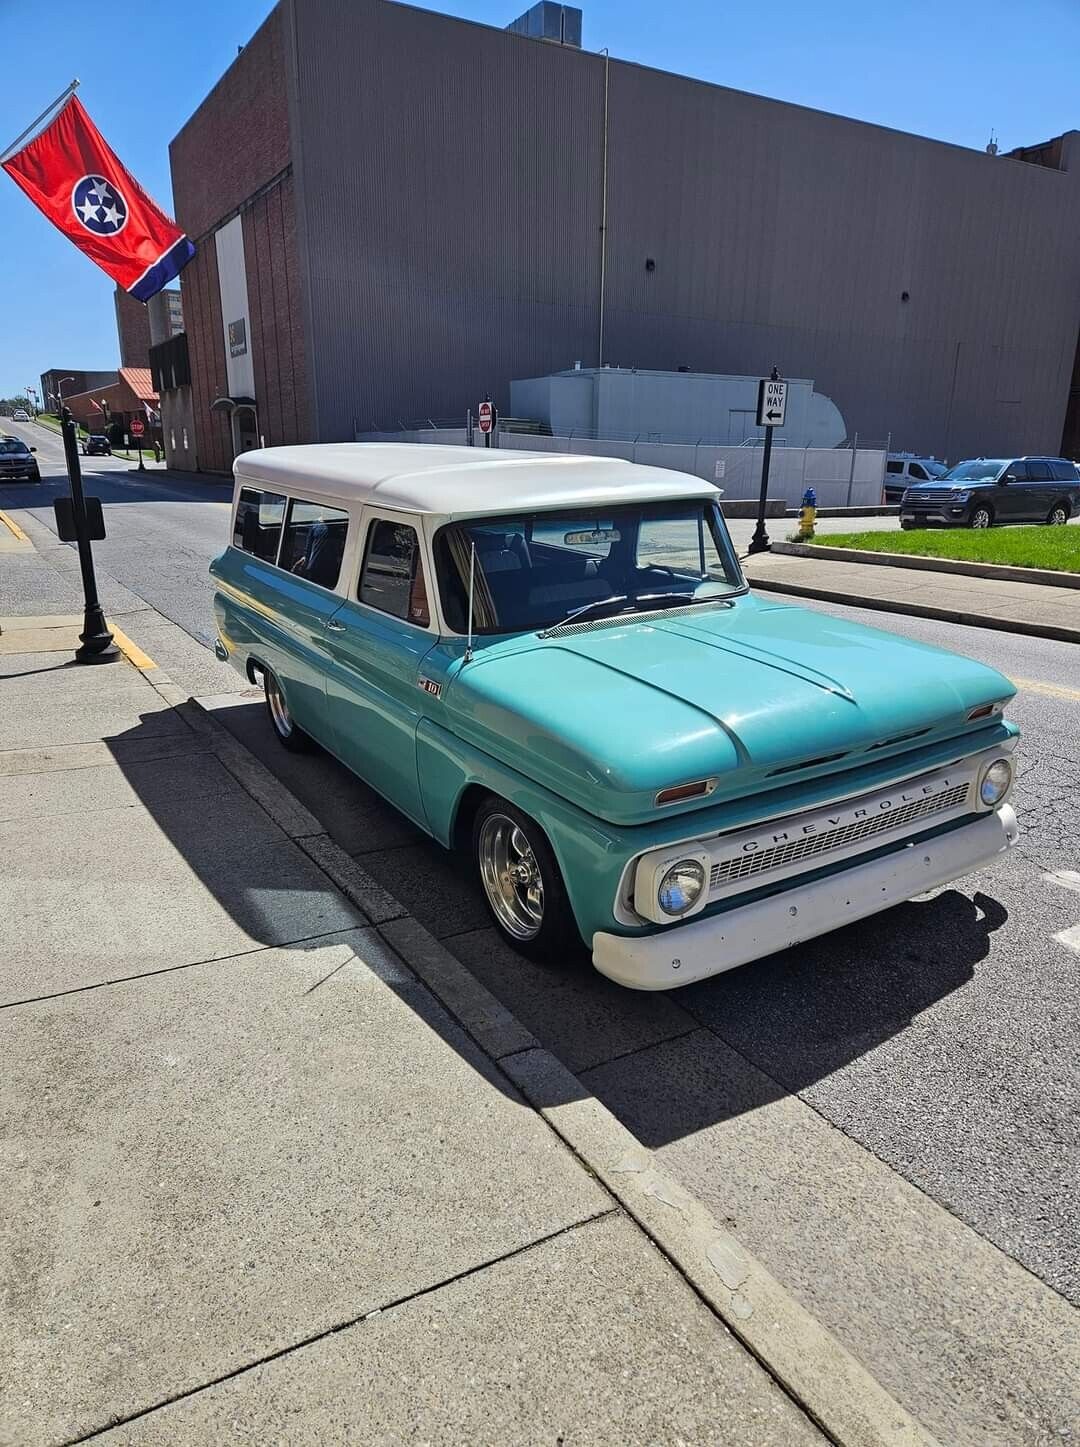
x: 933, y: 1047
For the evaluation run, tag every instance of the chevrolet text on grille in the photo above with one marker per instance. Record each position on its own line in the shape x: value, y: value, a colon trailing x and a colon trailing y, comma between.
x: 876, y: 806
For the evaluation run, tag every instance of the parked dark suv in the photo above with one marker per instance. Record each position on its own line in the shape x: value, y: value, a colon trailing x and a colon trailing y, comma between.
x: 17, y: 460
x: 985, y: 491
x: 96, y: 445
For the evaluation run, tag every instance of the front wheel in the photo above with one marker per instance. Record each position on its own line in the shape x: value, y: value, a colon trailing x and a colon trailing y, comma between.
x: 522, y: 885
x: 981, y: 517
x: 289, y: 736
x: 1059, y: 515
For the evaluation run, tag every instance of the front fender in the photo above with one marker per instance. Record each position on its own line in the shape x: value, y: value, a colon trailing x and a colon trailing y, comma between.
x: 591, y: 854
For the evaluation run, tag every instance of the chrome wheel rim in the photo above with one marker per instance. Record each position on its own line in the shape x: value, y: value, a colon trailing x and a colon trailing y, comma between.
x: 981, y: 519
x: 1058, y: 518
x: 511, y: 877
x: 279, y: 711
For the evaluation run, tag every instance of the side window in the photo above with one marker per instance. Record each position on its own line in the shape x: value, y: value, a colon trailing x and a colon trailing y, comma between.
x: 257, y: 528
x: 1019, y: 470
x: 894, y: 467
x: 917, y: 472
x: 392, y: 578
x: 314, y: 541
x: 1063, y: 471
x: 1038, y: 472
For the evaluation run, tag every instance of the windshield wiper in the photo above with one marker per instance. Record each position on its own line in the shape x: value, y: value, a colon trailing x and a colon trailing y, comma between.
x: 681, y: 600
x: 576, y: 613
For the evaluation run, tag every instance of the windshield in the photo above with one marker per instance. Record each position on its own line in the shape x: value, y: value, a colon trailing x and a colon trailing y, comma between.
x: 8, y: 444
x: 982, y: 470
x: 534, y: 571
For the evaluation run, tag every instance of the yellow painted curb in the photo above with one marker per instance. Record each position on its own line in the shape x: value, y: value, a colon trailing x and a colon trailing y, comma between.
x: 131, y: 651
x: 14, y: 526
x: 1051, y: 690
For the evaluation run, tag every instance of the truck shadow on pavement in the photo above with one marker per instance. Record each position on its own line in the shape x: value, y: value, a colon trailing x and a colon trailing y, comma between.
x: 668, y: 1064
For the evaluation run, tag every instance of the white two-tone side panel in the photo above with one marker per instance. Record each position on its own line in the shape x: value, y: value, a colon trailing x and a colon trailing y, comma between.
x: 235, y: 318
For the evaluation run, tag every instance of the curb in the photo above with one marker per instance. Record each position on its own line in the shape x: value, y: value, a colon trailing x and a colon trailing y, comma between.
x: 821, y: 1376
x: 999, y: 572
x: 14, y: 528
x: 919, y: 610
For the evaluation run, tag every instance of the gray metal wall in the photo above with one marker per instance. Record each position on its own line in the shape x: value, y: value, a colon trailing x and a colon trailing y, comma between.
x: 449, y: 182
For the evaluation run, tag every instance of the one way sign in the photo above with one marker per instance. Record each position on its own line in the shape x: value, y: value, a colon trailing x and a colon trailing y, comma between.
x: 771, y: 402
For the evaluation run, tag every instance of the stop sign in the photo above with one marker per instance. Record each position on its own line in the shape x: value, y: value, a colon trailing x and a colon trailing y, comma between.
x: 137, y: 427
x: 485, y: 416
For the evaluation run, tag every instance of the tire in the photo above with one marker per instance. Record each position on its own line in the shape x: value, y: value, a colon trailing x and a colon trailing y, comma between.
x: 1058, y: 515
x: 287, y: 733
x: 907, y: 527
x: 981, y: 517
x: 533, y: 916
x: 34, y: 476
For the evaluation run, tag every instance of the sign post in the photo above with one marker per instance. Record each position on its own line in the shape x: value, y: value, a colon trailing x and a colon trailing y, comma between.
x: 771, y: 409
x: 137, y: 427
x: 486, y: 418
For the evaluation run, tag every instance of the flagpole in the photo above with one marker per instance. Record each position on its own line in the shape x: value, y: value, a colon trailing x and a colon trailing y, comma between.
x: 57, y: 103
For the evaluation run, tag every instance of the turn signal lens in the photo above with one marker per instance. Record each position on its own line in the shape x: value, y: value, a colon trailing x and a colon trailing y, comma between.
x: 995, y: 782
x: 680, y: 887
x: 983, y: 711
x: 696, y: 790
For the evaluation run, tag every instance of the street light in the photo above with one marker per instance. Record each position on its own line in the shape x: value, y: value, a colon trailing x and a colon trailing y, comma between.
x: 60, y: 393
x: 97, y: 642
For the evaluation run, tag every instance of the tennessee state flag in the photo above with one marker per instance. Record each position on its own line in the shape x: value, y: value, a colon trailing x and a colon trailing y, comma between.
x: 70, y: 173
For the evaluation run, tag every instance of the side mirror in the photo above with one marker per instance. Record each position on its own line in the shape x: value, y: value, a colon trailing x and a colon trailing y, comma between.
x: 33, y: 449
x: 1009, y: 477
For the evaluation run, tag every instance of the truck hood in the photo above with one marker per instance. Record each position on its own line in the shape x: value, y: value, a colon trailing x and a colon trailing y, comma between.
x: 754, y: 696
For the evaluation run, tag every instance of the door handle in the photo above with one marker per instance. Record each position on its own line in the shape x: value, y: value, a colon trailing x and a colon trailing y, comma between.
x: 333, y: 627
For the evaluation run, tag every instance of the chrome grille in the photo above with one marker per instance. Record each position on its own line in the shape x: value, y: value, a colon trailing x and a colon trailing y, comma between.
x: 811, y: 846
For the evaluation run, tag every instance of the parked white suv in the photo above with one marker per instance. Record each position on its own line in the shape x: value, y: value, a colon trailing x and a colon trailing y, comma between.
x: 904, y: 470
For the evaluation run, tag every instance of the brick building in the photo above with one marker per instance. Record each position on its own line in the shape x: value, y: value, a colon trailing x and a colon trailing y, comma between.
x: 72, y: 381
x: 398, y: 211
x: 234, y: 195
x: 127, y: 397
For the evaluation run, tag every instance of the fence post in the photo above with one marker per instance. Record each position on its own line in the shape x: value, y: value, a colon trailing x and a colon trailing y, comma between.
x: 851, y: 474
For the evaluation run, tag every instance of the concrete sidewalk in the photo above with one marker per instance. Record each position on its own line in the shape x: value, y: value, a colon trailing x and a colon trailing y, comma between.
x: 261, y: 1185
x: 1036, y: 609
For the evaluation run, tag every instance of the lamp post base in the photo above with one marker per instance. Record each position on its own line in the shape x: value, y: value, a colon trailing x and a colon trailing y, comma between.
x: 98, y: 645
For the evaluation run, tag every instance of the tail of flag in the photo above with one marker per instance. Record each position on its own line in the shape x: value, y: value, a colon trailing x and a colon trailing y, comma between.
x: 73, y: 177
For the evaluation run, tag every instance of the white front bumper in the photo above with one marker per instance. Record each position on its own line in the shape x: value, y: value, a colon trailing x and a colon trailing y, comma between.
x: 681, y: 954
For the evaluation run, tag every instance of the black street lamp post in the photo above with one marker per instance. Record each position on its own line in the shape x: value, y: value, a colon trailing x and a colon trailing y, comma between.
x: 97, y: 641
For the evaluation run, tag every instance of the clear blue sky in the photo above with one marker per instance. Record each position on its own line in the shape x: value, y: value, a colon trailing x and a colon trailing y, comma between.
x: 952, y: 69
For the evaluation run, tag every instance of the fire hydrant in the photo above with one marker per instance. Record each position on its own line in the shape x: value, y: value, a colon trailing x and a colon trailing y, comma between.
x: 807, y: 516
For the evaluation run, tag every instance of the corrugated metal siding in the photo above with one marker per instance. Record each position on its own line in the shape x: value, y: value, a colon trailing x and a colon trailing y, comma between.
x: 451, y: 189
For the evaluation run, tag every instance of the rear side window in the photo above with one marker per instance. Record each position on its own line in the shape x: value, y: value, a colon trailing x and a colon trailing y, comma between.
x: 314, y: 542
x: 392, y: 578
x: 257, y: 528
x: 1063, y: 471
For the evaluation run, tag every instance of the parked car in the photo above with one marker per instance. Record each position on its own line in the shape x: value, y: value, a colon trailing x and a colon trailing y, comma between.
x: 96, y: 445
x: 17, y: 460
x: 556, y: 665
x: 985, y: 491
x: 19, y: 415
x: 904, y: 470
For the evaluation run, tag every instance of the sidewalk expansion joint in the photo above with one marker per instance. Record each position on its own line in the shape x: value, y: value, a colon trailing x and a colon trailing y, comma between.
x: 186, y: 965
x: 372, y: 1314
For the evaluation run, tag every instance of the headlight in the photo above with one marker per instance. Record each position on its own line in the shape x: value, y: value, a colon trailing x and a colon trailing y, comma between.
x: 995, y: 782
x: 680, y: 887
x: 962, y: 495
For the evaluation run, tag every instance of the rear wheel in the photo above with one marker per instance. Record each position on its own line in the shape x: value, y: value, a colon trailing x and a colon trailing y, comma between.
x: 1059, y: 515
x: 288, y: 734
x: 522, y: 885
x: 981, y: 516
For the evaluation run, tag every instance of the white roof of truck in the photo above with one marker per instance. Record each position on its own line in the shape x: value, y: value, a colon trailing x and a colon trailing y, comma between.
x: 460, y: 481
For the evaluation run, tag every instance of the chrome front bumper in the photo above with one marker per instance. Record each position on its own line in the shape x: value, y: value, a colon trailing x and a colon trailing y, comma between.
x: 681, y: 954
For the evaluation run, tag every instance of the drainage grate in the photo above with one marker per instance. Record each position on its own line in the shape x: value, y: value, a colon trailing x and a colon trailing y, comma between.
x: 749, y: 866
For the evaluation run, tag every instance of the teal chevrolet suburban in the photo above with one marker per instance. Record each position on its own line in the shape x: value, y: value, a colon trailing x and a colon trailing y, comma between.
x: 555, y: 664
